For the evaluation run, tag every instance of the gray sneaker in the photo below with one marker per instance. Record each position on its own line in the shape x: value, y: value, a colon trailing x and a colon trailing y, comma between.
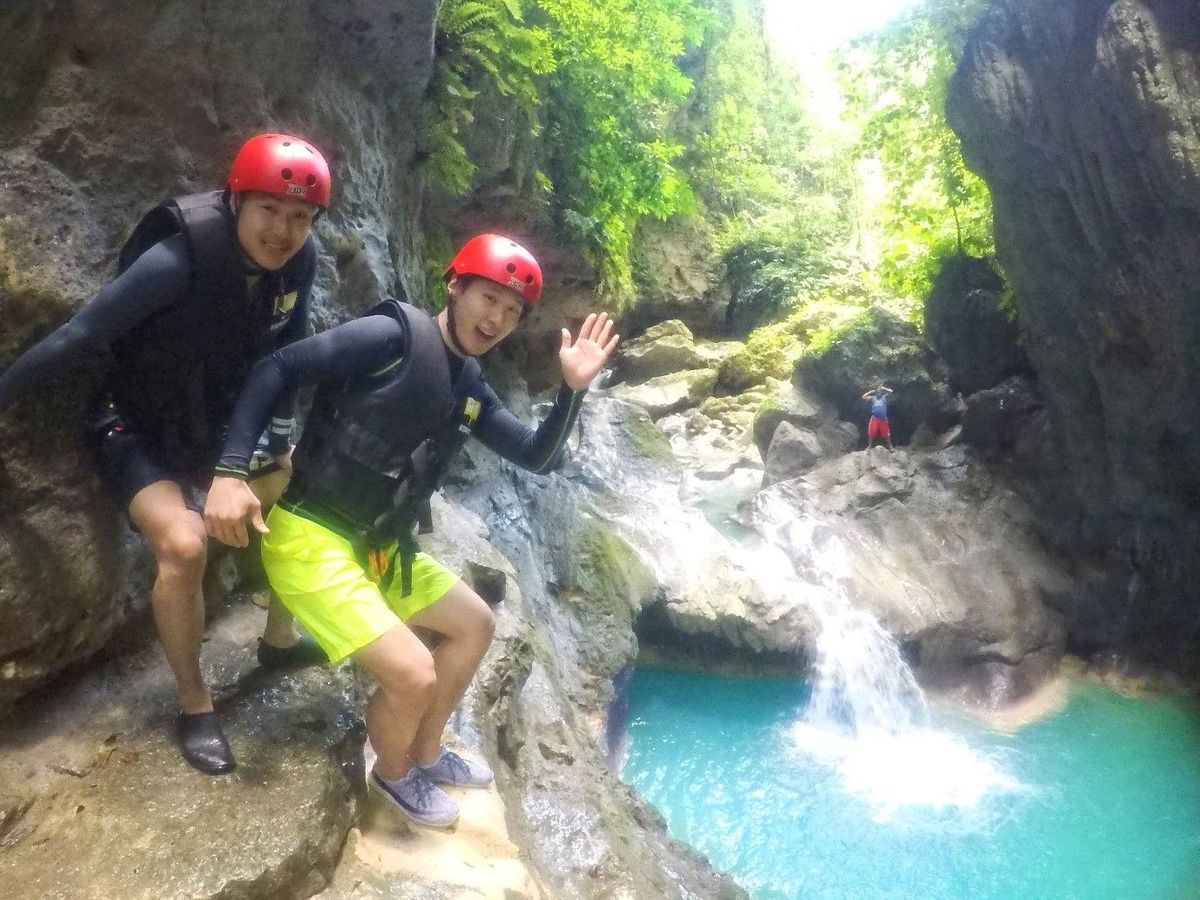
x: 450, y: 768
x: 419, y: 799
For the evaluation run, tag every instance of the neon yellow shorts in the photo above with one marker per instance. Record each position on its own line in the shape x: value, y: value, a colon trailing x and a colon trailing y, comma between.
x: 316, y: 575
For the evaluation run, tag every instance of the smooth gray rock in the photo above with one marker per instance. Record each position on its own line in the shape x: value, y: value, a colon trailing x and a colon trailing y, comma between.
x: 669, y: 393
x: 663, y: 349
x: 785, y: 401
x: 793, y: 452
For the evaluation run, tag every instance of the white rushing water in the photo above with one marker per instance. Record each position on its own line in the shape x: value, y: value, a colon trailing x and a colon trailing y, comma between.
x: 867, y: 718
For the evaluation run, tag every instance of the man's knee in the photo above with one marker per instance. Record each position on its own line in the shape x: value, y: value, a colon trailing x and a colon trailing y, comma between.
x: 409, y: 678
x: 474, y: 621
x: 182, y: 547
x: 484, y: 623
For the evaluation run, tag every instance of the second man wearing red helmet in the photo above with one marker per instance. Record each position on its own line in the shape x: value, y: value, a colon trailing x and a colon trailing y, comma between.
x: 398, y: 393
x: 208, y: 283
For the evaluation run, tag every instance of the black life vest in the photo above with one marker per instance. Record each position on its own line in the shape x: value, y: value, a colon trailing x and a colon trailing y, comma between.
x: 178, y: 373
x: 361, y: 440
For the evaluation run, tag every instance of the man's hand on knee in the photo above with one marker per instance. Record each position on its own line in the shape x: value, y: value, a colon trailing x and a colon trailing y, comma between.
x: 230, y: 505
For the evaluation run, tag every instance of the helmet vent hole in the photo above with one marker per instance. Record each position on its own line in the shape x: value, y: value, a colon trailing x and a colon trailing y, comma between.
x: 287, y: 143
x: 512, y: 267
x: 529, y: 279
x: 287, y: 174
x: 310, y: 180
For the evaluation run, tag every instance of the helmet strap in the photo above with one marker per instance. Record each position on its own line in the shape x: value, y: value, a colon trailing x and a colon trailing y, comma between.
x: 452, y: 328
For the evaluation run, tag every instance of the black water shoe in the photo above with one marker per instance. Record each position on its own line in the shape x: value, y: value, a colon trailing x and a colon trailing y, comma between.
x: 203, y: 744
x: 305, y: 652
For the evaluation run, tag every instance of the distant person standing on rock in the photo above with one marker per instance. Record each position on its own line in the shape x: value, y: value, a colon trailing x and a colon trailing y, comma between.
x: 878, y: 427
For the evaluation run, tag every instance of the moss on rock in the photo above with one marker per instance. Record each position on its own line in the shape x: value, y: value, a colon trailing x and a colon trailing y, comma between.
x: 608, y: 571
x: 644, y: 436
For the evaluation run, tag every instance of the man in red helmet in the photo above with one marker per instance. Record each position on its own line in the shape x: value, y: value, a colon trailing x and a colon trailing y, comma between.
x: 398, y: 393
x: 207, y: 284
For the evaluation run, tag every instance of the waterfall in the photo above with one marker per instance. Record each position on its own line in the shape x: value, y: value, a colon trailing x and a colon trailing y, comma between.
x: 861, y: 681
x: 867, y: 718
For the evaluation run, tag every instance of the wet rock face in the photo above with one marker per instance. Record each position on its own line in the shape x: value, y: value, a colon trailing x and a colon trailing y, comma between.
x: 968, y: 328
x: 106, y: 108
x: 676, y: 278
x: 1082, y: 119
x: 541, y: 700
x: 95, y: 800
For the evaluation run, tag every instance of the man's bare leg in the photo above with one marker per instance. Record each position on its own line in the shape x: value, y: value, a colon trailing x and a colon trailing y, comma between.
x: 466, y: 625
x: 404, y: 672
x: 176, y: 536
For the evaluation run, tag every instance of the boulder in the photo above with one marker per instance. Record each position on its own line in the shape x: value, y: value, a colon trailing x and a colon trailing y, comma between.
x: 969, y: 329
x: 793, y: 452
x: 876, y: 347
x: 786, y: 402
x: 663, y: 349
x: 95, y: 800
x: 838, y: 437
x: 715, y: 353
x: 669, y: 393
x: 1005, y: 420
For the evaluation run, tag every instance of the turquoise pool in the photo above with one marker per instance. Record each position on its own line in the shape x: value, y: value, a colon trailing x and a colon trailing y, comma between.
x: 1099, y: 801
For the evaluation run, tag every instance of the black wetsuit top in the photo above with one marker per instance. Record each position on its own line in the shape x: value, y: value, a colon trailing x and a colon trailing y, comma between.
x: 158, y: 278
x: 367, y: 346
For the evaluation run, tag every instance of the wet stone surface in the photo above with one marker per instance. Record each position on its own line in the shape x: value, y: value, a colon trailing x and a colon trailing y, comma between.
x: 97, y: 801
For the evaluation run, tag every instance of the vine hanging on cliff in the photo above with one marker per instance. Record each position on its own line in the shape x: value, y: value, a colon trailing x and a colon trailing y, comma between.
x: 479, y: 45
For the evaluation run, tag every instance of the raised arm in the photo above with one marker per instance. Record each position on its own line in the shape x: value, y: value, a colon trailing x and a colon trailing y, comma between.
x: 540, y: 450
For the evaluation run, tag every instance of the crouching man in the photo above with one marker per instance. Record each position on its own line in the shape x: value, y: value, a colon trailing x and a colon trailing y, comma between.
x: 398, y: 393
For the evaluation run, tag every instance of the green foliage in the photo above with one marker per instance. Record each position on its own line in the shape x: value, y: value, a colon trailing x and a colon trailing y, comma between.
x: 601, y: 77
x: 780, y: 188
x: 896, y: 84
x: 480, y: 45
x: 439, y: 250
x: 764, y: 275
x: 611, y: 99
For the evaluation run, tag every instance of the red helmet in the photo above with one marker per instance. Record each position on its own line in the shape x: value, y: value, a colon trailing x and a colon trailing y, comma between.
x: 282, y: 165
x: 501, y: 260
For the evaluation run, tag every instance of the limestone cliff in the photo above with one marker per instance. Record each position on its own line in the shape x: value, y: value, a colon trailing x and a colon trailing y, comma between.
x: 1084, y: 118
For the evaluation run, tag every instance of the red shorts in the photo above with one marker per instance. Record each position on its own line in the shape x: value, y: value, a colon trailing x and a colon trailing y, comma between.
x: 878, y: 428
